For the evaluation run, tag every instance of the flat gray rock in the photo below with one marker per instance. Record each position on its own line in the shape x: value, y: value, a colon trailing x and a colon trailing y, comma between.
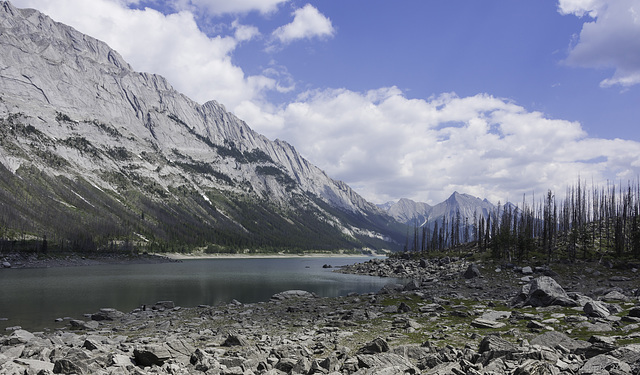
x: 485, y: 323
x: 604, y: 364
x: 553, y: 339
x: 288, y: 294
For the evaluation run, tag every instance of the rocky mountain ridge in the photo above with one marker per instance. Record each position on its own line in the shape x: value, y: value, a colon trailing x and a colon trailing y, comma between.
x: 412, y: 213
x: 75, y: 117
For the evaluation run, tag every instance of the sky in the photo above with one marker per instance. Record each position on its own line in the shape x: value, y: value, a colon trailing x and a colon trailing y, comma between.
x: 406, y: 99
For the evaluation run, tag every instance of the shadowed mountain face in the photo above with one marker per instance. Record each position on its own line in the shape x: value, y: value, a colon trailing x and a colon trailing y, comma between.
x: 95, y: 153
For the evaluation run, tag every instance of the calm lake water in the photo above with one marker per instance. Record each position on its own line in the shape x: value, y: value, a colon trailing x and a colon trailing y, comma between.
x: 34, y: 298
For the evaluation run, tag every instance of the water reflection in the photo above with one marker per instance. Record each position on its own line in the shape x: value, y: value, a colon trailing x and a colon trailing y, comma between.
x: 33, y: 298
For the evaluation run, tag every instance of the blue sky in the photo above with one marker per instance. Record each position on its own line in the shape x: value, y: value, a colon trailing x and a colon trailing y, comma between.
x: 408, y: 99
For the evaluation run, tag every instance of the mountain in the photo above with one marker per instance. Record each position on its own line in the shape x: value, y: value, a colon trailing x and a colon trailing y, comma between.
x: 413, y: 213
x: 466, y: 204
x: 408, y: 212
x: 93, y: 153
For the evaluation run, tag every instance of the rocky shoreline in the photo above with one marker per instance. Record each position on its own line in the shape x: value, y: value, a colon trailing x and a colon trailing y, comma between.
x: 450, y: 317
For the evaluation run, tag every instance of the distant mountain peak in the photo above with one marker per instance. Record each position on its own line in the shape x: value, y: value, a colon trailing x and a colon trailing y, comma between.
x: 409, y: 212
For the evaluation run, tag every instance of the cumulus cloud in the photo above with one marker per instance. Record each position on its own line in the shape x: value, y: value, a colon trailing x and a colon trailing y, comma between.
x: 581, y: 7
x: 307, y: 23
x: 171, y: 45
x: 611, y: 39
x: 218, y: 7
x: 387, y: 146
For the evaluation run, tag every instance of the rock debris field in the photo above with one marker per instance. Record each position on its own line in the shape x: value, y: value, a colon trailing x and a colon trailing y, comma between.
x: 451, y: 316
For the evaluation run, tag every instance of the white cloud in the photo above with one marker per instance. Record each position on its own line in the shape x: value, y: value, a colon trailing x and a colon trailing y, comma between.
x: 581, y: 7
x: 610, y: 40
x: 244, y: 32
x: 218, y: 7
x: 388, y: 146
x: 307, y: 23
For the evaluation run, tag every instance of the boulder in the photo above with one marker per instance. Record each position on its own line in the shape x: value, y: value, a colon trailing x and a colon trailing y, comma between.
x: 75, y: 361
x: 91, y: 344
x: 391, y: 289
x: 526, y: 270
x: 288, y: 294
x: 35, y: 366
x: 330, y: 364
x: 635, y: 312
x: 107, y: 314
x: 404, y: 308
x: 604, y: 364
x: 386, y: 363
x: 163, y: 305
x: 151, y: 355
x: 412, y: 352
x: 628, y: 354
x: 554, y: 339
x: 20, y: 336
x: 286, y: 365
x: 545, y: 291
x: 615, y: 295
x: 486, y: 323
x: 67, y: 366
x: 378, y: 345
x: 302, y: 366
x: 235, y: 340
x: 472, y: 272
x: 531, y: 367
x: 497, y: 346
x: 596, y: 309
x: 619, y: 278
x: 412, y: 285
x: 597, y: 326
x: 81, y: 324
x: 431, y: 308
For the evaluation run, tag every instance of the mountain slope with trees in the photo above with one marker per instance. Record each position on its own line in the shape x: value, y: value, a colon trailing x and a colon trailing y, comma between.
x: 94, y: 155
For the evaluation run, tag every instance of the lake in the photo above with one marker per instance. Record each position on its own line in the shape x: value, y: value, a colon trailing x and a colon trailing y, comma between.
x: 34, y: 298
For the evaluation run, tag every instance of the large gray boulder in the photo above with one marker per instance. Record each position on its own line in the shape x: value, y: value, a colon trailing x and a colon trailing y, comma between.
x: 472, y: 272
x: 544, y: 291
x: 596, y: 309
x: 378, y: 345
x: 150, y: 355
x: 496, y: 347
x: 75, y: 361
x: 604, y: 364
x: 19, y: 336
x: 554, y: 339
x: 107, y: 313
